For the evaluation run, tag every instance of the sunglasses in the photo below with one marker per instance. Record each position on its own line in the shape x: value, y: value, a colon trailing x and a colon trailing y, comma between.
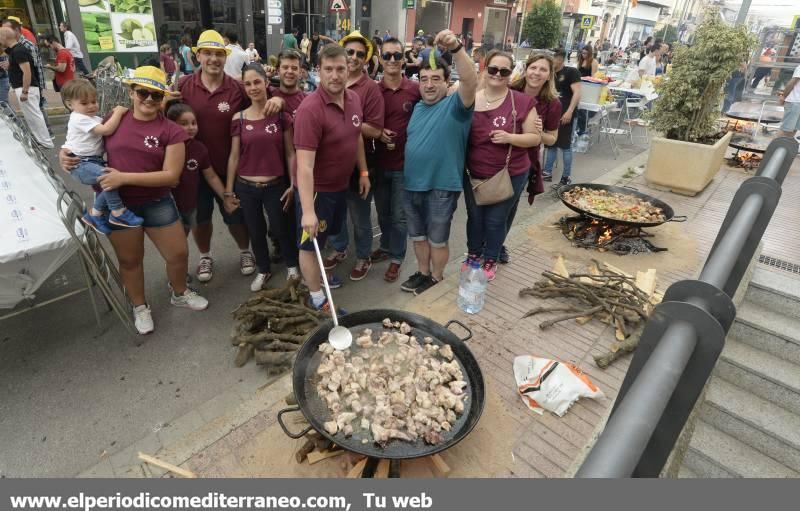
x: 147, y: 93
x: 504, y: 71
x: 397, y: 56
x: 358, y: 53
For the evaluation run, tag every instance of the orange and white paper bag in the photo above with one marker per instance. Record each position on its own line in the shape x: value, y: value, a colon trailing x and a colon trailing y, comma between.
x: 550, y: 385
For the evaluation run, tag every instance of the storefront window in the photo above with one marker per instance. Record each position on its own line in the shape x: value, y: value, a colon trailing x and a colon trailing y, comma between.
x: 191, y: 12
x: 433, y: 17
x: 224, y: 11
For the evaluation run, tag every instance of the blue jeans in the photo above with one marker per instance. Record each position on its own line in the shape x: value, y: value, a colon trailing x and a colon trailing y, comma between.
x: 389, y: 193
x: 487, y: 226
x: 359, y: 211
x: 87, y: 172
x: 550, y: 160
x: 429, y: 215
x: 4, y: 88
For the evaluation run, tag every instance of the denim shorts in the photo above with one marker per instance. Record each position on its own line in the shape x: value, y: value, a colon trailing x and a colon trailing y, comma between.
x: 429, y: 215
x: 158, y: 213
x: 188, y: 218
x: 791, y: 116
x: 330, y: 208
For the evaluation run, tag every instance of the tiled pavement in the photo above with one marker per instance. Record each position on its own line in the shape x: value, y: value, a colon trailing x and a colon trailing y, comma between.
x: 510, y: 440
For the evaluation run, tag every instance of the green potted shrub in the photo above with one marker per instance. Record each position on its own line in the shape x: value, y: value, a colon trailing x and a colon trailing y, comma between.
x: 690, y: 149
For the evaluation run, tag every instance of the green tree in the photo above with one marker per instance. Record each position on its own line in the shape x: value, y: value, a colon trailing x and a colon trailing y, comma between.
x: 689, y: 99
x: 668, y: 34
x: 542, y: 26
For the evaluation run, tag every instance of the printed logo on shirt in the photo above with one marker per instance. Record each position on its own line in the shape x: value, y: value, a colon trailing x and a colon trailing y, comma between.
x: 356, y: 121
x: 22, y: 234
x: 223, y: 106
x: 499, y: 121
x: 407, y: 106
x: 16, y: 214
x: 271, y: 128
x: 192, y: 164
x: 11, y: 198
x: 150, y: 141
x: 249, y: 127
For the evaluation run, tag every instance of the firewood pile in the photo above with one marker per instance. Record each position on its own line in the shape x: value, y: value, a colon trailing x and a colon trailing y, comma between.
x: 603, y: 293
x: 272, y: 326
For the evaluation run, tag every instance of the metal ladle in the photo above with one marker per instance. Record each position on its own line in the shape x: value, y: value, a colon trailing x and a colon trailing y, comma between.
x: 340, y: 337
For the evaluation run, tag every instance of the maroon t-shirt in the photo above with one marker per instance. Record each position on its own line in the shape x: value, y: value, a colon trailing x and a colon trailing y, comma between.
x: 372, y: 105
x: 485, y: 158
x: 261, y: 151
x: 399, y: 105
x: 292, y: 100
x: 140, y: 146
x: 214, y: 111
x: 196, y: 162
x: 322, y: 126
x: 169, y: 64
x: 550, y: 113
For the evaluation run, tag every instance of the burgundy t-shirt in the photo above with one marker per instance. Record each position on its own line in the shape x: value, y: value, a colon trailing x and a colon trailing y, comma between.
x: 399, y: 105
x: 321, y: 126
x: 140, y: 146
x: 292, y: 100
x: 485, y: 158
x: 214, y: 111
x: 261, y: 151
x: 372, y: 105
x: 169, y: 64
x: 197, y: 161
x: 550, y: 113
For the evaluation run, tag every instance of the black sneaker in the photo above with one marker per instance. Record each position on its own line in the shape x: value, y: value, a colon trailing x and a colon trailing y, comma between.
x: 413, y: 282
x: 547, y: 177
x: 565, y: 181
x: 504, y: 257
x: 427, y: 283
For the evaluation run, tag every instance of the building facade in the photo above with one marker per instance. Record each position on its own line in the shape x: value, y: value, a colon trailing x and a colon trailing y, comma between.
x: 41, y: 16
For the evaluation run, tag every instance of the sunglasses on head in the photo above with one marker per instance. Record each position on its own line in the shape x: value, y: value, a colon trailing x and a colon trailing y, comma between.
x: 397, y: 56
x: 358, y: 53
x: 147, y: 93
x: 493, y: 70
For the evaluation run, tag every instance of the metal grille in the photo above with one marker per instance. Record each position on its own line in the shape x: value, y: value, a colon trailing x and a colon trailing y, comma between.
x: 779, y: 264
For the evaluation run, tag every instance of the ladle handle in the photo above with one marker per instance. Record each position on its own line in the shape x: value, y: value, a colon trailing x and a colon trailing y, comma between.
x: 325, y: 281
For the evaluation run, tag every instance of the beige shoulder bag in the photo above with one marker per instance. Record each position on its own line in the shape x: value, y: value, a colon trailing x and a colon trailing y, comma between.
x: 498, y: 187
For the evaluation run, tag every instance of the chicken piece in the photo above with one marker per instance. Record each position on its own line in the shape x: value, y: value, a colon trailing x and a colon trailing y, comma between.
x: 405, y: 328
x: 457, y: 386
x: 326, y: 348
x: 436, y: 426
x: 387, y: 323
x: 452, y: 369
x: 446, y: 352
x: 357, y: 361
x: 451, y: 416
x: 326, y: 366
x: 401, y: 339
x: 413, y: 340
x: 344, y: 419
x: 331, y: 427
x: 367, y: 332
x: 431, y: 349
x: 396, y: 324
x: 331, y: 397
x: 444, y: 397
x: 427, y: 340
x: 362, y: 380
x: 379, y: 433
x: 385, y: 338
x: 433, y: 437
x: 364, y: 341
x: 396, y: 433
x: 364, y: 423
x: 356, y: 406
x: 445, y: 426
x: 459, y: 408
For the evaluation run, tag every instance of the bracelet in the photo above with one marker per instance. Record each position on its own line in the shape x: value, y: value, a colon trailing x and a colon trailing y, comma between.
x: 364, y: 173
x: 457, y: 48
x: 229, y: 194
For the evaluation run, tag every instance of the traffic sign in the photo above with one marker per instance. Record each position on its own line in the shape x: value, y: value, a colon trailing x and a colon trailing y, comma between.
x: 588, y: 22
x: 276, y: 4
x: 338, y: 5
x: 274, y: 12
x: 275, y: 20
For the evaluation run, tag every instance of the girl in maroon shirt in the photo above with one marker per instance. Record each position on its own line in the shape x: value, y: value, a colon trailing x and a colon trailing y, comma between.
x: 261, y: 152
x: 497, y: 122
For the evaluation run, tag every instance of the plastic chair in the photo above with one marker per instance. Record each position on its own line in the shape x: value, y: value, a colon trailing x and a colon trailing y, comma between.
x: 634, y: 107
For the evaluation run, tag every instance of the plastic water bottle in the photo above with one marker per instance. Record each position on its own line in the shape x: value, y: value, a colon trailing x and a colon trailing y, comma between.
x: 582, y: 144
x: 472, y: 288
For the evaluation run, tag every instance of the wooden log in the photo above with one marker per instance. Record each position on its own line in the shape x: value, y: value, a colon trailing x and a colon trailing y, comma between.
x: 382, y: 471
x: 167, y: 466
x: 621, y: 349
x: 302, y: 453
x: 316, y: 456
x: 271, y: 336
x: 357, y: 469
x: 274, y: 358
x: 243, y: 354
x: 573, y: 315
x: 277, y: 346
x: 440, y: 468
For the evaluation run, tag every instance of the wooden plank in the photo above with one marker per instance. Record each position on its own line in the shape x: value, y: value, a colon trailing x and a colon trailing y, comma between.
x: 440, y: 468
x: 382, y: 472
x: 167, y: 466
x: 560, y: 268
x: 355, y: 472
x: 316, y: 456
x: 646, y: 281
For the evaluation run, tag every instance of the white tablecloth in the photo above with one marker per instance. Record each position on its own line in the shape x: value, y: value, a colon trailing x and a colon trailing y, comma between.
x: 33, y: 241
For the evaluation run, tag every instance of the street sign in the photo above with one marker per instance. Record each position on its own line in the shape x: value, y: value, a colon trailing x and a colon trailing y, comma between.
x: 588, y: 22
x: 338, y: 5
x: 275, y: 20
x: 275, y: 12
x: 410, y: 4
x: 277, y: 4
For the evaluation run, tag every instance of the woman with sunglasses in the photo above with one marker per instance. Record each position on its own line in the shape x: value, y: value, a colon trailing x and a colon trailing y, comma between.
x: 503, y: 128
x: 145, y: 159
x: 261, y: 152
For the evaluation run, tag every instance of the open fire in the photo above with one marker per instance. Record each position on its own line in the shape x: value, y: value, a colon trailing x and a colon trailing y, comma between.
x: 586, y: 232
x: 746, y: 160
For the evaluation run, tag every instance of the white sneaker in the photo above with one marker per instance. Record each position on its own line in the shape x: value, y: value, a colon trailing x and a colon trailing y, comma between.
x: 258, y: 282
x: 247, y: 263
x: 293, y: 273
x: 204, y: 269
x: 190, y: 300
x: 142, y: 319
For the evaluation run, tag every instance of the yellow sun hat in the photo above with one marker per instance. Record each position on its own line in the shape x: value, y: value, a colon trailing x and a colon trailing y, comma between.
x: 211, y: 40
x: 150, y: 77
x: 355, y: 35
x: 14, y: 18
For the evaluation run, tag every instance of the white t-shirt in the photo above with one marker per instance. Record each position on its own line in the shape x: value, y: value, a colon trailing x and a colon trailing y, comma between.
x: 252, y: 54
x: 80, y: 139
x: 794, y: 94
x: 648, y: 65
x: 236, y: 61
x: 71, y: 43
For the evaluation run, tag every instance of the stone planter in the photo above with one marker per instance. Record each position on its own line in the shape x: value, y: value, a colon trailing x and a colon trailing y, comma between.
x: 684, y: 167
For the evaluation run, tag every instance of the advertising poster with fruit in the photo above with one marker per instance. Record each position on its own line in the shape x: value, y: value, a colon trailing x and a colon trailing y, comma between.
x: 124, y: 26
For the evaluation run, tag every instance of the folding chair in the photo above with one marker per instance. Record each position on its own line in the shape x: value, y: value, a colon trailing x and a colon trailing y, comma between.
x: 634, y: 107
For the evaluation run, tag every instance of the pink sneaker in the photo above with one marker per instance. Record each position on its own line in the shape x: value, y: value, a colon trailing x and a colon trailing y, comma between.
x: 490, y: 269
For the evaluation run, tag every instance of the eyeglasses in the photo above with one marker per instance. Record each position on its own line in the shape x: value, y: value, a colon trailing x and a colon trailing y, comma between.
x: 358, y: 53
x: 397, y: 56
x: 147, y: 93
x: 504, y: 71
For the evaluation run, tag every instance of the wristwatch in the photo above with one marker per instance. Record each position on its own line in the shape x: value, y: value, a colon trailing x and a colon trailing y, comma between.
x: 457, y: 48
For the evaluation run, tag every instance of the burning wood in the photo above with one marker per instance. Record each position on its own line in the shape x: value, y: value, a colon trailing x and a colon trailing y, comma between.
x: 586, y: 232
x: 746, y: 160
x: 605, y: 294
x: 273, y: 325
